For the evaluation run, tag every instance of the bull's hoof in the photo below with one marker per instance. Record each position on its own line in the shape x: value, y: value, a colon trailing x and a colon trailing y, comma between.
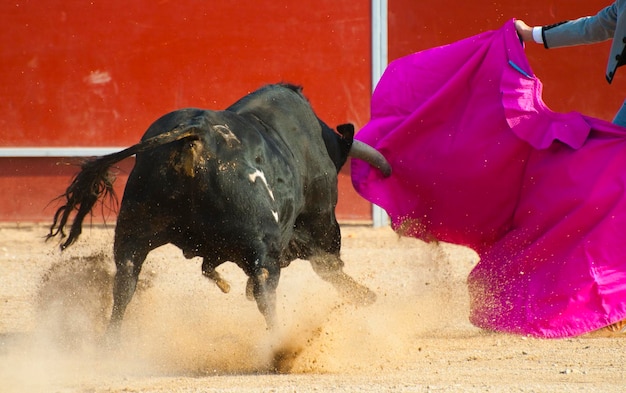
x: 214, y: 276
x: 223, y: 285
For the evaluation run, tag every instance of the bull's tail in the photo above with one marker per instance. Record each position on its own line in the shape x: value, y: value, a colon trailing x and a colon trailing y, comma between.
x: 94, y: 182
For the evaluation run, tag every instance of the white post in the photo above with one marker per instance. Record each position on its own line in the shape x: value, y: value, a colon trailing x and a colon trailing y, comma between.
x: 379, y: 63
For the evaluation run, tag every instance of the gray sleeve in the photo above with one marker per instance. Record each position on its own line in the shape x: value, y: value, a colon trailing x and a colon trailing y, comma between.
x: 585, y: 30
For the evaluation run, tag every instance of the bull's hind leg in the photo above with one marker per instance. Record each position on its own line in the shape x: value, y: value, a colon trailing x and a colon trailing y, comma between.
x: 330, y: 268
x: 129, y: 258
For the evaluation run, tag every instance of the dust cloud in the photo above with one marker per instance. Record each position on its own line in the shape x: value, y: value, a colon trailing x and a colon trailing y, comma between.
x: 180, y: 324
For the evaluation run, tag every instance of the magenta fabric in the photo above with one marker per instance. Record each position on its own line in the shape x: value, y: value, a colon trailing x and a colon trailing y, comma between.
x: 479, y: 160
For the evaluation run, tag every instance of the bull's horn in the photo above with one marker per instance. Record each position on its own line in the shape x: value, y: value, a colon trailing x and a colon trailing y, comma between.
x: 370, y: 155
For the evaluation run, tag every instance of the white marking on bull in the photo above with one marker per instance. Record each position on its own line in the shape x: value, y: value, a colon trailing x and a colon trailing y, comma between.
x: 260, y: 175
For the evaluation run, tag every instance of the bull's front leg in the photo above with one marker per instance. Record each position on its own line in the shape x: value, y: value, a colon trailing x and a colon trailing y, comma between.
x: 262, y: 286
x: 330, y: 268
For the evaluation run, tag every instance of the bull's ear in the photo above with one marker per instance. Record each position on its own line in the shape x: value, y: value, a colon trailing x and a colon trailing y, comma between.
x: 346, y: 130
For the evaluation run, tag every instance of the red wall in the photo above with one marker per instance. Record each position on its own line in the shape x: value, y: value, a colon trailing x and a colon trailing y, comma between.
x: 97, y: 73
x: 31, y: 187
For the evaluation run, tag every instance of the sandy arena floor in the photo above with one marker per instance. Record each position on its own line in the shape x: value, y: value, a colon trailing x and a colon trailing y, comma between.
x: 181, y: 334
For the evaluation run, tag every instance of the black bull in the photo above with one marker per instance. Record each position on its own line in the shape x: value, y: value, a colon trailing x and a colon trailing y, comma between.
x: 255, y: 184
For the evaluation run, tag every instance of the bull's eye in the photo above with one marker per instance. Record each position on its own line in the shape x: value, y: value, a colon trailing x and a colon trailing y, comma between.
x: 258, y: 160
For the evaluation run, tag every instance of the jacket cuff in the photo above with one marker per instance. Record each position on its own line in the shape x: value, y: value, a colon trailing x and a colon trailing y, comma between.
x: 548, y: 27
x: 538, y: 34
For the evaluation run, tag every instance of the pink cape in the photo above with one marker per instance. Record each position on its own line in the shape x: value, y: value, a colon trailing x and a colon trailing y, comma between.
x: 479, y: 160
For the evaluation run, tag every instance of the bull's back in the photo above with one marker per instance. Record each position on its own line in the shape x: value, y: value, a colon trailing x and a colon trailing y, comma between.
x: 291, y: 122
x: 171, y: 120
